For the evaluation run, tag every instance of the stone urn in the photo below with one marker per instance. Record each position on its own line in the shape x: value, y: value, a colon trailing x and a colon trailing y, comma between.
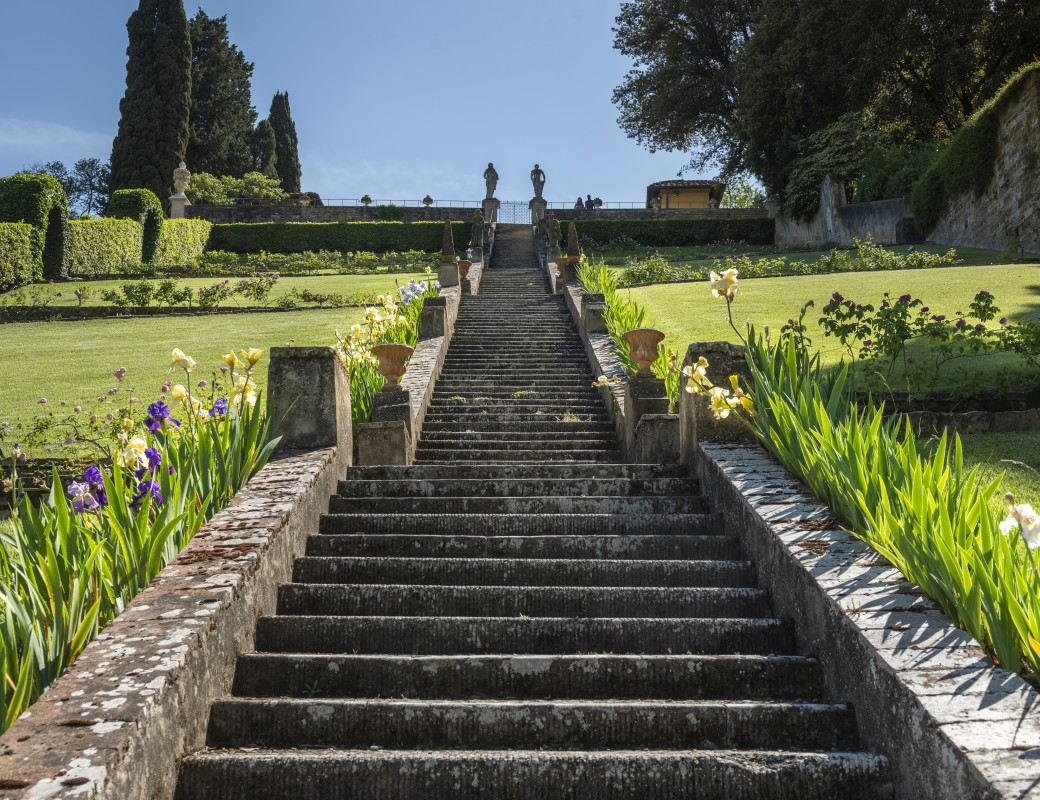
x: 464, y: 265
x: 427, y: 201
x: 366, y: 201
x: 642, y: 348
x: 391, y: 364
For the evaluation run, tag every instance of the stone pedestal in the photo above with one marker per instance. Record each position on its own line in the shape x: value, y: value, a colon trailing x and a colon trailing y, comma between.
x: 433, y: 318
x: 383, y: 444
x: 593, y: 309
x: 177, y: 204
x: 394, y: 407
x: 642, y: 396
x: 491, y: 207
x: 696, y: 420
x: 448, y: 274
x: 537, y: 207
x: 657, y: 439
x: 310, y: 388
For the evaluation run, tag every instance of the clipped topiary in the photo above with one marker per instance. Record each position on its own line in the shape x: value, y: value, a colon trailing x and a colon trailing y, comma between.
x: 144, y: 206
x: 39, y: 200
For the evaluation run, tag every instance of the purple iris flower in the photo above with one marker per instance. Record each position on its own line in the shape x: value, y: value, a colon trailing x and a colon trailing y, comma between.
x: 219, y: 407
x: 93, y: 475
x: 145, y: 488
x: 82, y: 499
x: 158, y: 413
x: 154, y: 458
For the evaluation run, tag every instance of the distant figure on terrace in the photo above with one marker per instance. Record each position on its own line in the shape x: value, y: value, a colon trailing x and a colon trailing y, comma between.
x: 589, y: 205
x: 579, y: 204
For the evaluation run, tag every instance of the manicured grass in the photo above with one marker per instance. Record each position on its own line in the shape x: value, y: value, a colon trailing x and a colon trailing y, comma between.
x: 350, y: 286
x: 687, y: 312
x: 75, y: 361
x: 1017, y: 455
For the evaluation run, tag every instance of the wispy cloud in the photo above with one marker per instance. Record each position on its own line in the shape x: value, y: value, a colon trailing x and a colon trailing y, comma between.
x: 25, y: 140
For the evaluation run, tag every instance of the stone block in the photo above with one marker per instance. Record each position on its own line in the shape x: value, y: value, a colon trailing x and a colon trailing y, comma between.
x: 1009, y: 421
x: 433, y: 319
x: 448, y: 274
x: 642, y: 396
x: 697, y: 422
x: 394, y: 407
x: 308, y: 389
x: 594, y: 317
x: 657, y: 439
x: 384, y: 444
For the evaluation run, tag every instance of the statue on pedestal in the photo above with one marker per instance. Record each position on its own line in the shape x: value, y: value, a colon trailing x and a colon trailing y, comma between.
x: 491, y: 180
x: 538, y: 179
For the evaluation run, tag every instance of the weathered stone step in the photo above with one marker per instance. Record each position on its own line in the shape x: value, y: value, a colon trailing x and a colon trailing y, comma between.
x: 523, y: 572
x: 509, y: 384
x: 523, y: 724
x: 520, y: 487
x: 431, y: 427
x: 677, y: 677
x: 451, y: 410
x: 558, y: 401
x: 514, y: 601
x: 521, y: 524
x: 461, y: 433
x: 431, y: 455
x: 519, y: 472
x: 546, y: 504
x: 534, y: 635
x: 534, y: 775
x: 462, y: 447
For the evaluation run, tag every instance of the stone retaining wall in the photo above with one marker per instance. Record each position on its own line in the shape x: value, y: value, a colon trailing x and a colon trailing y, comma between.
x: 138, y: 698
x: 952, y: 724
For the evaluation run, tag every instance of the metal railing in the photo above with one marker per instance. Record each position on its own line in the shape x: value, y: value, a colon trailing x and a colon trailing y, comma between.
x: 405, y: 203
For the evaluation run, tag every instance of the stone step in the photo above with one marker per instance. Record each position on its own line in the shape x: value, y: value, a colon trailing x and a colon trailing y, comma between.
x: 505, y: 414
x: 697, y: 548
x: 523, y: 572
x: 430, y: 455
x: 533, y: 775
x: 546, y: 504
x: 533, y: 635
x: 527, y: 724
x: 543, y: 444
x: 461, y: 433
x: 431, y: 427
x: 678, y: 677
x: 364, y: 600
x: 519, y: 472
x: 520, y: 487
x: 522, y: 524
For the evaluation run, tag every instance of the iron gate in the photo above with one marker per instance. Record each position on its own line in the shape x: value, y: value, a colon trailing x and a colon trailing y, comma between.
x: 514, y: 212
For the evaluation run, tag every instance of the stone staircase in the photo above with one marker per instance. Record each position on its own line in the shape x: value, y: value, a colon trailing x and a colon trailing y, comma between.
x: 520, y: 615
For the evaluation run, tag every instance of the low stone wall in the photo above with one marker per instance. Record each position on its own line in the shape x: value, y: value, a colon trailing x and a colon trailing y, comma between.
x: 661, y: 213
x: 138, y: 698
x: 837, y: 222
x: 230, y: 215
x: 925, y: 694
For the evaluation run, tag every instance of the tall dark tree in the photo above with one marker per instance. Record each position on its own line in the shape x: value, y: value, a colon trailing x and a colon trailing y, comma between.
x: 809, y: 63
x: 286, y: 143
x: 154, y: 111
x: 90, y: 178
x: 265, y: 157
x: 681, y: 92
x: 222, y: 113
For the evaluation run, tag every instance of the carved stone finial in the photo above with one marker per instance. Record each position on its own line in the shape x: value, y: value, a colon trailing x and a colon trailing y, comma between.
x: 181, y: 178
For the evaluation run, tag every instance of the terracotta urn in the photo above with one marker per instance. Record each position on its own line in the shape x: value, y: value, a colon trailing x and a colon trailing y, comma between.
x: 464, y: 266
x: 391, y: 364
x: 642, y: 348
x: 565, y: 261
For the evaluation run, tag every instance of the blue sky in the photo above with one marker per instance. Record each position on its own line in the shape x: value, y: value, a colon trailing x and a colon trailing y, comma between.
x: 393, y: 99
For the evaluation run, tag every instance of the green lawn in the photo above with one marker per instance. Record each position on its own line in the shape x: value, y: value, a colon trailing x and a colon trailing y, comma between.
x: 350, y: 286
x: 75, y: 361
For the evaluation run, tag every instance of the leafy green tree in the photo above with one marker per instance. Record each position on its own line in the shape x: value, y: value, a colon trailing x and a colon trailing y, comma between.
x: 57, y: 170
x: 154, y: 111
x: 286, y: 143
x: 840, y: 150
x: 265, y: 158
x: 681, y: 92
x: 741, y: 193
x: 222, y: 113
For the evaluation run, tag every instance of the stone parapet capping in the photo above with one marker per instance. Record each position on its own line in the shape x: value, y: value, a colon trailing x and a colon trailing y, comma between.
x: 115, y: 726
x: 952, y: 724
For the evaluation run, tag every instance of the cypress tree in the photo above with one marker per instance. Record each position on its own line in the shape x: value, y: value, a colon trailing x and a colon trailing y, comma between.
x: 153, y: 121
x: 286, y: 144
x: 265, y: 159
x: 222, y: 113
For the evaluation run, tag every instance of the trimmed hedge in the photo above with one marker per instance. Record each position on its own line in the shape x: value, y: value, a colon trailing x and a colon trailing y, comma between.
x: 182, y: 241
x: 101, y: 246
x: 678, y: 232
x: 967, y: 163
x: 141, y: 205
x: 39, y: 200
x: 299, y: 237
x: 17, y: 254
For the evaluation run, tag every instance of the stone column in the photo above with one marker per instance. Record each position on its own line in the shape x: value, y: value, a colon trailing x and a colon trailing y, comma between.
x: 537, y: 207
x: 491, y: 207
x: 178, y: 200
x: 308, y: 390
x: 696, y: 421
x: 388, y: 439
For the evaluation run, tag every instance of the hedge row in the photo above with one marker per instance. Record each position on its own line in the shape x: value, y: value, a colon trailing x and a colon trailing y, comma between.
x: 676, y: 232
x: 298, y: 237
x: 181, y: 242
x: 143, y: 206
x: 18, y: 261
x: 40, y: 201
x: 101, y: 246
x: 967, y: 163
